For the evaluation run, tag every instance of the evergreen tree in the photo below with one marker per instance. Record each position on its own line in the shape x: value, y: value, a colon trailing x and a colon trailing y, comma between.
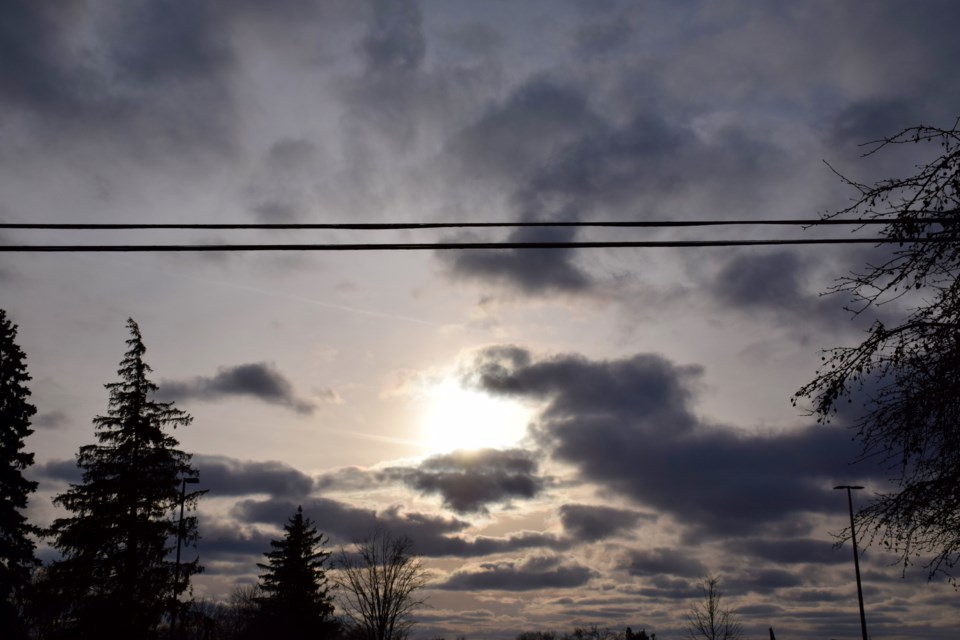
x: 116, y: 577
x: 296, y: 601
x: 16, y: 548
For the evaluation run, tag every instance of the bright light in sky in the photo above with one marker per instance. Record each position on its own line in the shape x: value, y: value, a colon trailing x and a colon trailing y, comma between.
x: 455, y: 417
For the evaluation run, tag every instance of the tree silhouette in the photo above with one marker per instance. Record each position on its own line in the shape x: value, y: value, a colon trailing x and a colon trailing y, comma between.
x: 909, y: 370
x: 115, y: 578
x: 379, y: 583
x: 296, y: 602
x: 16, y: 547
x: 708, y: 619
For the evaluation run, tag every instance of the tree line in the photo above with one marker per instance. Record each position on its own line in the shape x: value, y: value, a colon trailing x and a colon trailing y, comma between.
x: 117, y: 575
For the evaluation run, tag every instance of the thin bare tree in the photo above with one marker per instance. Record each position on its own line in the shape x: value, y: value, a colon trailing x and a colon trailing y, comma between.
x: 378, y: 580
x: 708, y: 619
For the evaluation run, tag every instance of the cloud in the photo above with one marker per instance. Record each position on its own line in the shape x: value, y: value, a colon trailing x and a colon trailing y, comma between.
x: 434, y: 536
x: 224, y: 476
x: 588, y: 523
x: 646, y: 163
x: 773, y: 283
x: 516, y: 137
x: 664, y: 562
x: 789, y: 551
x: 158, y: 79
x: 223, y: 540
x: 50, y: 420
x: 258, y: 380
x: 283, y: 188
x: 468, y: 481
x: 628, y: 424
x: 59, y: 471
x: 394, y: 42
x: 530, y: 271
x: 537, y: 572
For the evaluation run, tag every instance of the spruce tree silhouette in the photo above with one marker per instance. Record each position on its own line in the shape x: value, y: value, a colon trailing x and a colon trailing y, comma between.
x: 116, y: 578
x: 296, y: 603
x: 16, y: 548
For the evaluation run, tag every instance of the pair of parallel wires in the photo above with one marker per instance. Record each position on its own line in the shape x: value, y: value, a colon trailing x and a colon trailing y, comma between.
x: 455, y: 245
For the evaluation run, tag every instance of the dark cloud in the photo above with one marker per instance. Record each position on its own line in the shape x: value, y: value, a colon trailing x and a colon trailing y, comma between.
x: 282, y: 189
x: 34, y: 56
x: 434, y: 536
x: 664, y: 562
x: 774, y: 283
x: 158, y: 43
x: 588, y: 523
x: 474, y: 37
x: 531, y: 271
x: 224, y: 476
x: 629, y: 425
x: 468, y: 481
x: 612, y: 167
x: 761, y: 581
x: 517, y: 137
x: 257, y: 380
x: 751, y: 280
x: 537, y: 572
x: 50, y: 420
x: 604, y: 37
x: 58, y: 471
x: 789, y: 551
x: 226, y: 541
x: 145, y: 78
x: 868, y: 120
x: 395, y: 41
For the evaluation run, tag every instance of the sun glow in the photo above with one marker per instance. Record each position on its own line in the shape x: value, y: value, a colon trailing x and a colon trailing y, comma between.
x: 455, y: 417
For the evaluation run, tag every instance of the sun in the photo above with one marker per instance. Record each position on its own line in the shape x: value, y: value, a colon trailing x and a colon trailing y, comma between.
x: 455, y: 417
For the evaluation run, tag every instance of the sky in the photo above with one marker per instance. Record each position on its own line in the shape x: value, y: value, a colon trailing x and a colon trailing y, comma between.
x: 569, y: 437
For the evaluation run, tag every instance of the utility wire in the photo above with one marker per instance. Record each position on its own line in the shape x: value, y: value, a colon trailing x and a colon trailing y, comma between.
x: 446, y: 246
x: 369, y: 226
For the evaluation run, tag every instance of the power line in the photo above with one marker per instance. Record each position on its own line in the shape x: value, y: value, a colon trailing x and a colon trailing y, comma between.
x: 384, y: 226
x: 447, y: 246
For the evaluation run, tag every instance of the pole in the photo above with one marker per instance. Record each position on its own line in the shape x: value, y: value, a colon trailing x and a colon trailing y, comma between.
x: 856, y: 556
x: 176, y: 567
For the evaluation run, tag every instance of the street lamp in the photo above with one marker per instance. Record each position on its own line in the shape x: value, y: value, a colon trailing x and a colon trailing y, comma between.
x: 176, y: 567
x: 856, y: 558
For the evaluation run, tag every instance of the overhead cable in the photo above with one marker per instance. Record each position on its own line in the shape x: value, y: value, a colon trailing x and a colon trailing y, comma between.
x: 372, y: 226
x: 460, y: 246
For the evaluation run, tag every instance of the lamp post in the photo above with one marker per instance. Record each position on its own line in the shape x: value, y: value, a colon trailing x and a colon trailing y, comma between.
x: 176, y: 567
x: 856, y: 558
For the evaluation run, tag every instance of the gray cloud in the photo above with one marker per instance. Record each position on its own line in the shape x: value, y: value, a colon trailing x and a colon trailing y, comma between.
x: 664, y: 562
x: 537, y: 572
x: 629, y: 425
x: 470, y: 480
x: 158, y: 81
x: 226, y: 541
x: 434, y: 536
x: 773, y: 283
x: 394, y: 42
x: 517, y: 137
x: 256, y: 380
x: 589, y: 523
x: 58, y: 471
x: 789, y: 551
x: 224, y: 476
x: 281, y: 191
x: 33, y: 54
x: 531, y: 271
x: 608, y: 169
x: 50, y: 420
